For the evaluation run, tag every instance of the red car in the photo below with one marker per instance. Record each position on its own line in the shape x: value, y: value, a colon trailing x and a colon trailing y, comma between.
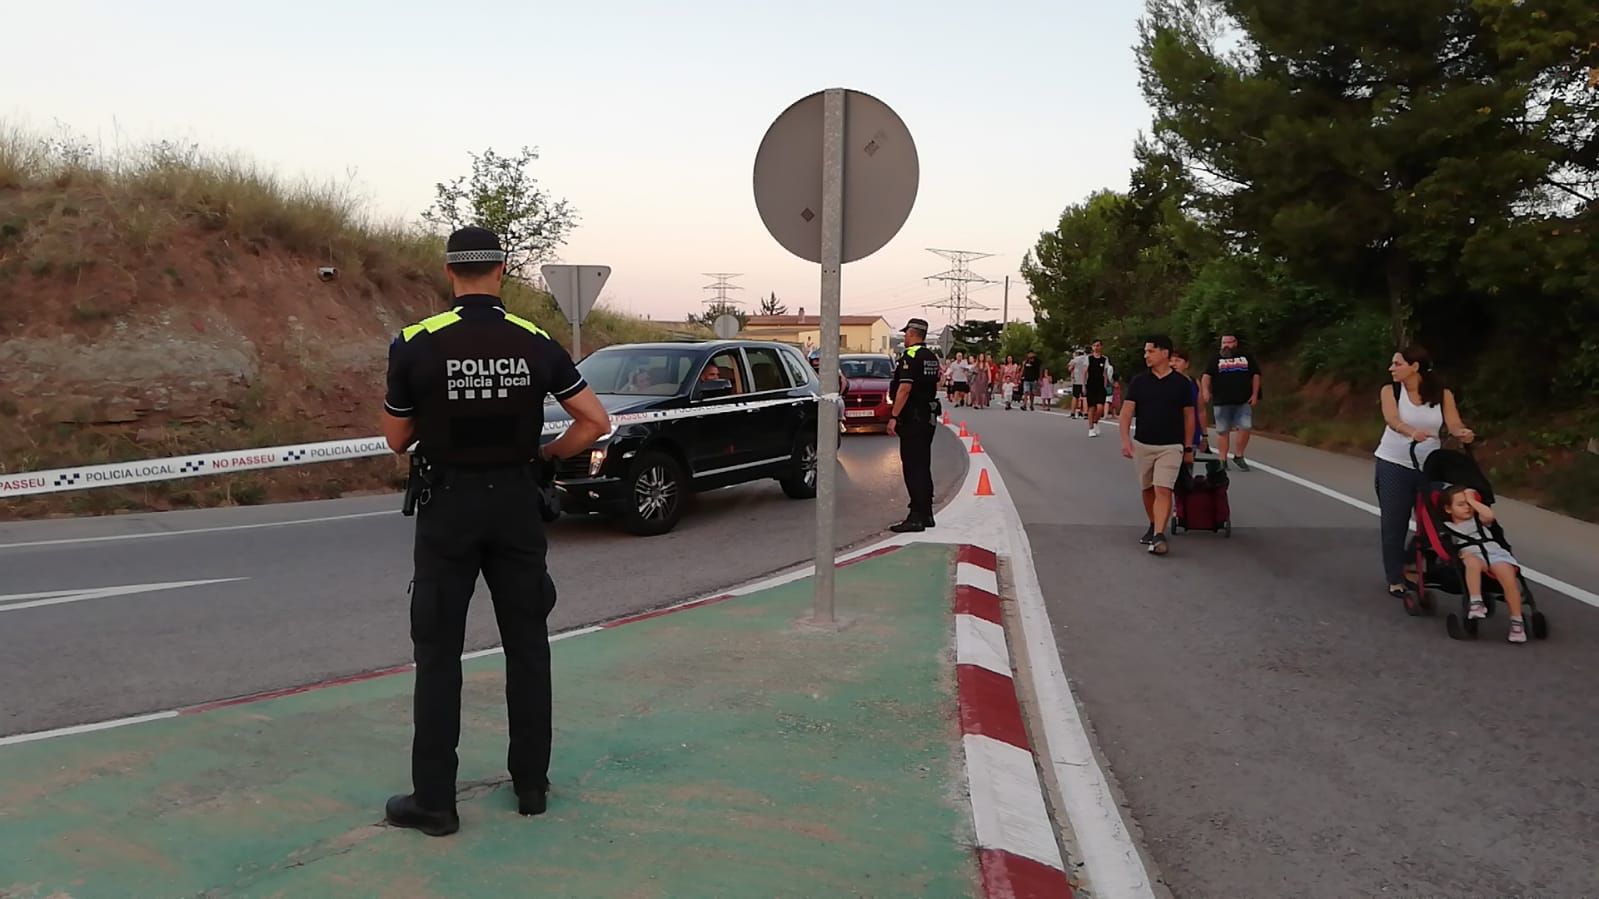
x: 866, y: 402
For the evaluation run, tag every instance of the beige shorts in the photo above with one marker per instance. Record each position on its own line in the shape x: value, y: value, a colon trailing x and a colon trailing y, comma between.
x: 1157, y: 465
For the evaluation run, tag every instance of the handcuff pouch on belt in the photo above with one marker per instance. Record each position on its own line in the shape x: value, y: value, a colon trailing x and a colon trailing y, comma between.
x: 418, y: 485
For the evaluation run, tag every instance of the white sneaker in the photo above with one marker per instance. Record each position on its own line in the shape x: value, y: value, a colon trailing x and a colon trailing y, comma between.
x: 1093, y: 432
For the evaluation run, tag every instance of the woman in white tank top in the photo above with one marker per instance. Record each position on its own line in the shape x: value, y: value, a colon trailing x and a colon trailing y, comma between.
x: 1415, y: 407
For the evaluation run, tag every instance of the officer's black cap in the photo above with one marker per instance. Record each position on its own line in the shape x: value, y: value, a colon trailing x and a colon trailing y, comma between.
x: 473, y: 244
x: 916, y: 324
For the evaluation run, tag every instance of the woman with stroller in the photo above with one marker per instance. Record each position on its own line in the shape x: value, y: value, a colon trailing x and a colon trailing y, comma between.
x: 1415, y: 408
x: 1480, y: 551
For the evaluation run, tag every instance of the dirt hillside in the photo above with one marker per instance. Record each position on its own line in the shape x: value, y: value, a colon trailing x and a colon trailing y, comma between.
x: 176, y: 307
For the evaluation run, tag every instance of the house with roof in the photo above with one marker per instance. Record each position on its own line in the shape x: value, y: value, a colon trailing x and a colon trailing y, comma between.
x: 857, y: 333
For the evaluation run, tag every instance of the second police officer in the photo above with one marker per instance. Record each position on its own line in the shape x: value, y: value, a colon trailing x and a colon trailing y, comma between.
x: 469, y: 385
x: 914, y: 418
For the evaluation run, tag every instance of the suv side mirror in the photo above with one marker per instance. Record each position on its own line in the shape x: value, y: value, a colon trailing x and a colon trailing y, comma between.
x: 707, y: 390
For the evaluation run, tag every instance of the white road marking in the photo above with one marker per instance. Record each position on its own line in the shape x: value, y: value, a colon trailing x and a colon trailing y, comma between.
x: 85, y: 728
x: 981, y: 643
x: 1007, y: 801
x: 17, y: 601
x: 1114, y: 866
x: 969, y: 575
x: 1537, y: 577
x: 1532, y: 574
x: 68, y: 541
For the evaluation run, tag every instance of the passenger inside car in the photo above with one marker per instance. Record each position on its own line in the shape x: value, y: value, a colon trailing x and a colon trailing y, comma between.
x: 728, y: 368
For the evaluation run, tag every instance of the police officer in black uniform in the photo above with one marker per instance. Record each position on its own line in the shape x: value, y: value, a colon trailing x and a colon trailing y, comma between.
x: 914, y: 418
x: 468, y: 385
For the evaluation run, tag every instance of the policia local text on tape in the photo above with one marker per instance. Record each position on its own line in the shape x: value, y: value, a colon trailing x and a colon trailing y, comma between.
x: 468, y: 386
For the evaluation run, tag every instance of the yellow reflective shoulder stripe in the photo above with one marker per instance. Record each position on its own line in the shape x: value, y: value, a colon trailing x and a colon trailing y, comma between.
x: 431, y: 323
x: 911, y: 350
x: 525, y: 324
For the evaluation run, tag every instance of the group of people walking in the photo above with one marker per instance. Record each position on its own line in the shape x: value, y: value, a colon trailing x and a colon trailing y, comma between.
x: 1164, y: 428
x: 980, y: 380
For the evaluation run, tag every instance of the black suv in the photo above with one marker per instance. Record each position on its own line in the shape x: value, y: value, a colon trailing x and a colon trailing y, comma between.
x: 690, y: 417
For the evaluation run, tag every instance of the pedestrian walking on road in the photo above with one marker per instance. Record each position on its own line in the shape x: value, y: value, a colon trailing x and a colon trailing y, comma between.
x: 1232, y: 384
x: 1157, y: 422
x: 1415, y: 408
x: 1046, y: 390
x: 1032, y: 373
x: 914, y: 419
x: 1078, y: 370
x: 979, y: 382
x: 1179, y: 361
x: 1096, y: 385
x: 468, y: 386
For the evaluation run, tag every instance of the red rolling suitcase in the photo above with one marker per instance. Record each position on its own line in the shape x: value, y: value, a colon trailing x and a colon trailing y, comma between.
x: 1201, y: 501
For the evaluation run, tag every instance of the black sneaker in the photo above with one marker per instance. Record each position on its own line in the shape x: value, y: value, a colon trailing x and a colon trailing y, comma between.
x: 928, y: 522
x: 1157, y: 546
x: 1149, y: 536
x: 405, y: 811
x: 1239, y: 461
x: 910, y: 525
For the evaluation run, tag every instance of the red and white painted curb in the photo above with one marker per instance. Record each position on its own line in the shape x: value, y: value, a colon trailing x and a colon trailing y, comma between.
x: 1018, y: 853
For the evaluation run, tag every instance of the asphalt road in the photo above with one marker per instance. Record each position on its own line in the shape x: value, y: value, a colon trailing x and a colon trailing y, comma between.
x: 1278, y: 725
x: 322, y: 587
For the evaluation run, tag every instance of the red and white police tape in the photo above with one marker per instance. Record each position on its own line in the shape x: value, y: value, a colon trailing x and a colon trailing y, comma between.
x: 1018, y: 854
x: 144, y: 471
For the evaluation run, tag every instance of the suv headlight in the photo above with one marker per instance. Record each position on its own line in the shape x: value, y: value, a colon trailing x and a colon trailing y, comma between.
x: 596, y: 461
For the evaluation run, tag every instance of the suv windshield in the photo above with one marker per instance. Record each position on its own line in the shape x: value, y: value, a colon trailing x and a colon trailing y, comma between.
x: 872, y: 367
x: 648, y: 371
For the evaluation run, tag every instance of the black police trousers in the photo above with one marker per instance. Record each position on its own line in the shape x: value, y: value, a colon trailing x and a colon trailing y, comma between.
x: 484, y: 521
x: 916, y: 461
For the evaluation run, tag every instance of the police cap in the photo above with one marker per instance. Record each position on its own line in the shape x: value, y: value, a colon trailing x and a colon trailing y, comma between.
x: 916, y: 324
x: 473, y: 244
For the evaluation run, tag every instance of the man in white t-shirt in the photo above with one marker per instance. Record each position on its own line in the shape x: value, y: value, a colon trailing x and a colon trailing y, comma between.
x: 1078, y: 368
x: 960, y: 378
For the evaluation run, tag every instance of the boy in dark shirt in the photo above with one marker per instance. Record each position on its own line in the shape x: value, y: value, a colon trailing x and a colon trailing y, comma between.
x: 1157, y: 422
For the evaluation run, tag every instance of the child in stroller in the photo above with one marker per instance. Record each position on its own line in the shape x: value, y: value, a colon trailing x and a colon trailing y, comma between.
x: 1462, y: 550
x: 1481, y: 552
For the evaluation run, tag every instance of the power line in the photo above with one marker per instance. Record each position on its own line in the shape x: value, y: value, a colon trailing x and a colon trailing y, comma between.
x: 722, y: 287
x: 959, y: 277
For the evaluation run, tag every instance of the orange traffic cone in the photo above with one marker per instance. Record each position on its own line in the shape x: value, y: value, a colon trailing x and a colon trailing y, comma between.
x: 977, y: 444
x: 947, y: 419
x: 983, y: 487
x: 963, y: 430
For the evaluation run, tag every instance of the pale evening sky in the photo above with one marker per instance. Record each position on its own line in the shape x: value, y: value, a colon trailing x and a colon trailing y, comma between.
x: 647, y: 115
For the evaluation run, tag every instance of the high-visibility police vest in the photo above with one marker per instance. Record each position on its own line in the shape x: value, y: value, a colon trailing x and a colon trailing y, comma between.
x: 475, y: 379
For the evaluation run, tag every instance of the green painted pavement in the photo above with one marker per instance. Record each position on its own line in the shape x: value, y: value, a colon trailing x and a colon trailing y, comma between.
x: 719, y: 751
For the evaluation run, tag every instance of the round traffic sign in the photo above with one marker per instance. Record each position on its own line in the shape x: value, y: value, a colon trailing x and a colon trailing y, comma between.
x: 726, y: 326
x: 881, y: 172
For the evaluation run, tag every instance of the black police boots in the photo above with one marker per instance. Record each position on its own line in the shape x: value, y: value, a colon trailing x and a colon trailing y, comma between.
x: 532, y: 802
x: 405, y: 811
x: 913, y: 524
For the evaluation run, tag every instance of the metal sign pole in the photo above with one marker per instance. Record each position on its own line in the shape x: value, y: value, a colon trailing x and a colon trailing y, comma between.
x: 832, y: 289
x: 577, y: 320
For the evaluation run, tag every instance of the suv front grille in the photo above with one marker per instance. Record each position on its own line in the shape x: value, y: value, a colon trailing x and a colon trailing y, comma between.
x: 865, y: 400
x: 574, y: 468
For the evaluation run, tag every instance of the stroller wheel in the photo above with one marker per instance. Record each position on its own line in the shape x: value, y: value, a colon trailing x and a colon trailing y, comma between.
x: 1412, y: 604
x: 1460, y: 629
x: 1429, y: 601
x: 1538, y: 625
